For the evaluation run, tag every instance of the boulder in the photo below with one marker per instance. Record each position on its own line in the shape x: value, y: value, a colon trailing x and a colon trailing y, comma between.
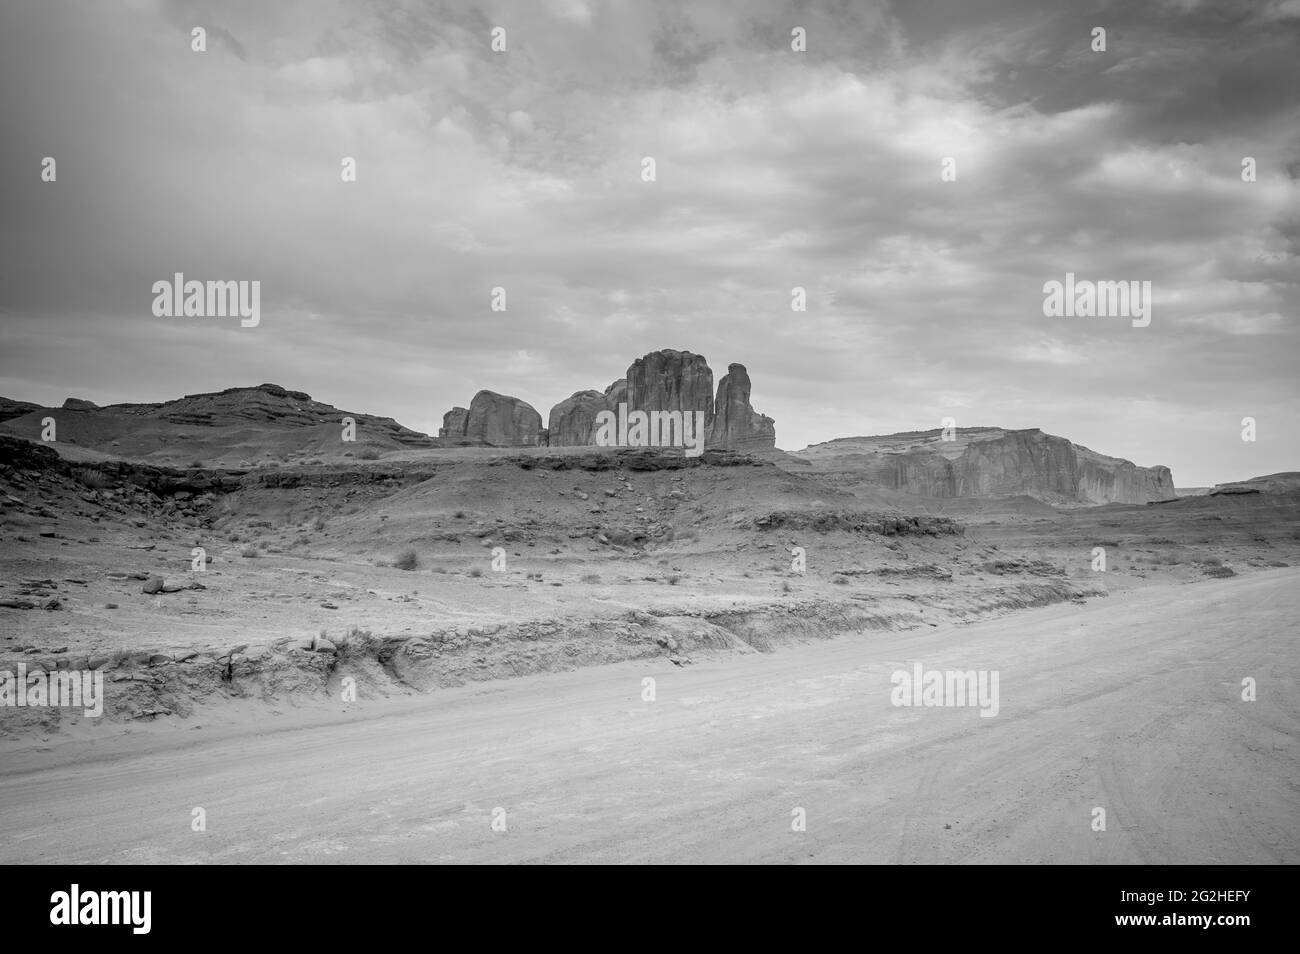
x: 79, y: 404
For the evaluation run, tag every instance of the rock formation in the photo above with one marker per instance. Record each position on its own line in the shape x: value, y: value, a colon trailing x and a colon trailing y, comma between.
x: 1287, y: 482
x: 988, y: 462
x: 736, y: 425
x: 266, y: 421
x: 572, y: 422
x: 496, y: 420
x: 670, y: 380
x: 453, y: 422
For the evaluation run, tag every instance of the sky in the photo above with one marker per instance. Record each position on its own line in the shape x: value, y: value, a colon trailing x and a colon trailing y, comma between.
x: 522, y: 169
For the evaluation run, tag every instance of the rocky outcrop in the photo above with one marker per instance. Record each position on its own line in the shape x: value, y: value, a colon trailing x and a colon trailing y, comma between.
x: 499, y: 420
x: 991, y: 462
x: 453, y: 423
x: 1283, y: 483
x: 232, y: 421
x: 736, y: 425
x: 9, y: 408
x: 670, y: 380
x: 572, y: 422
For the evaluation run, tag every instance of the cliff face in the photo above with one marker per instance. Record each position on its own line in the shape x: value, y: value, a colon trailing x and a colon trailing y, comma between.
x: 990, y: 462
x: 736, y: 425
x: 670, y: 381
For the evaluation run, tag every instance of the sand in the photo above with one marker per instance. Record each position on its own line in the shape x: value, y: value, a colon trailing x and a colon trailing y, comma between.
x: 1131, y: 703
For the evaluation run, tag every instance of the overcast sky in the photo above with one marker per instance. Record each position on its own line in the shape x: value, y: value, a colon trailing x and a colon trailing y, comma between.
x: 775, y: 168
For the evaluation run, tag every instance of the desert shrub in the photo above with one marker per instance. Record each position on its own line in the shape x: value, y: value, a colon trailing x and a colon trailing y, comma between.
x: 674, y: 579
x: 1219, y: 571
x: 368, y: 453
x: 90, y: 477
x: 249, y: 552
x: 459, y: 514
x: 476, y: 573
x: 354, y: 638
x: 318, y: 524
x: 785, y: 586
x: 690, y: 533
x: 840, y: 580
x: 618, y: 537
x: 407, y: 560
x: 1212, y: 561
x: 591, y: 578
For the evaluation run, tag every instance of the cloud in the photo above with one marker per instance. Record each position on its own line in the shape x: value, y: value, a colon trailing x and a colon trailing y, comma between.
x: 775, y: 169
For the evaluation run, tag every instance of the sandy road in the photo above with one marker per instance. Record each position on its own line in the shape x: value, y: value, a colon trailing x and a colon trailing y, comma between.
x: 1131, y: 703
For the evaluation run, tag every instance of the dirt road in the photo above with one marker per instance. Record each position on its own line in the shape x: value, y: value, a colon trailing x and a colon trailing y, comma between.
x: 1132, y: 704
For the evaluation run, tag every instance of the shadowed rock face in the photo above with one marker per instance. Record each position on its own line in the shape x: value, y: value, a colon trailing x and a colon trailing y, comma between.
x: 736, y: 425
x: 990, y: 462
x: 502, y: 421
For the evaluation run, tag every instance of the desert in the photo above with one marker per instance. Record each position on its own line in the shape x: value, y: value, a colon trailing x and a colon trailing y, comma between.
x: 671, y: 432
x: 487, y: 624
